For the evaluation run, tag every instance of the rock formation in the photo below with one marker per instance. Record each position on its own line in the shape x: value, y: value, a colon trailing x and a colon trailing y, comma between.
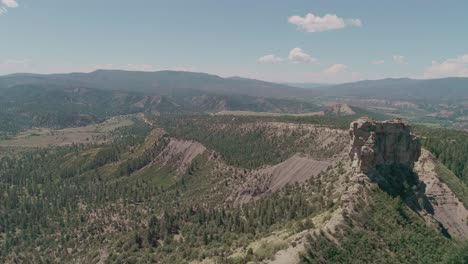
x: 340, y: 109
x: 447, y: 207
x: 382, y: 143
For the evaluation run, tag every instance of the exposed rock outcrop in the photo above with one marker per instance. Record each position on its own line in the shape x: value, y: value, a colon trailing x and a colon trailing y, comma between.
x: 179, y: 154
x: 375, y: 143
x: 382, y: 143
x: 298, y: 168
x: 340, y: 109
x: 447, y: 208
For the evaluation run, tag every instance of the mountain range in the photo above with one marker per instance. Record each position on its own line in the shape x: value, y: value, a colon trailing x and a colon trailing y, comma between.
x: 403, y: 89
x: 178, y: 82
x: 33, y: 99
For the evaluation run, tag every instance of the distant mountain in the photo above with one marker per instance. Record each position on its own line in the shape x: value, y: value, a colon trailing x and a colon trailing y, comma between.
x: 176, y: 83
x: 407, y: 89
x: 309, y: 85
x: 172, y: 83
x: 61, y: 100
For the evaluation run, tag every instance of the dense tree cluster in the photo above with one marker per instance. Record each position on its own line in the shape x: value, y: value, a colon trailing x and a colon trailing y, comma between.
x: 40, y: 188
x: 450, y: 147
x: 384, y: 230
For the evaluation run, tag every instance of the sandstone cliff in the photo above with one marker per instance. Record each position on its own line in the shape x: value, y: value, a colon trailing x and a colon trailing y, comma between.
x: 376, y: 143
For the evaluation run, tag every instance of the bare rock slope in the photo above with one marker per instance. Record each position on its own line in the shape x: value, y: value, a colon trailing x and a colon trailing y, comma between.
x: 447, y: 208
x: 296, y: 169
x: 340, y: 109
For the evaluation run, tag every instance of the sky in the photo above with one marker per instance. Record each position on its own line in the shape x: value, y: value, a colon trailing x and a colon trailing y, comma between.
x: 316, y: 41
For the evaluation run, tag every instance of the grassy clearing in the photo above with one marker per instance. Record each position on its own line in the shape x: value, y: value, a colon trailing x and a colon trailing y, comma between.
x: 267, y: 250
x: 113, y: 123
x: 44, y: 137
x: 162, y: 177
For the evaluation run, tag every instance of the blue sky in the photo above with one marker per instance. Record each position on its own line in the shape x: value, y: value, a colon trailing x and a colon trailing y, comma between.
x: 286, y: 41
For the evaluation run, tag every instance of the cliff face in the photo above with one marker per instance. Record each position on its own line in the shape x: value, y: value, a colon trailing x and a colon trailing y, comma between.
x: 382, y: 143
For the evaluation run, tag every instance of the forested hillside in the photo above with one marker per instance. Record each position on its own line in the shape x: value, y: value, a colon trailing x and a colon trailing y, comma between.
x: 127, y: 200
x: 100, y: 193
x: 170, y: 83
x: 384, y: 231
x: 58, y: 105
x: 450, y: 147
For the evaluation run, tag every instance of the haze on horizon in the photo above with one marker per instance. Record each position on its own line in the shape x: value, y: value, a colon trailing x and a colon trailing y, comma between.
x: 294, y: 41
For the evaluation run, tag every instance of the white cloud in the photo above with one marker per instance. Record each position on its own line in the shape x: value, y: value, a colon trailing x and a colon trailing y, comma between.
x: 270, y: 58
x: 336, y: 69
x: 399, y: 59
x: 296, y: 55
x: 3, y: 10
x: 378, y: 62
x: 312, y: 23
x: 10, y: 3
x: 457, y: 67
x: 354, y: 22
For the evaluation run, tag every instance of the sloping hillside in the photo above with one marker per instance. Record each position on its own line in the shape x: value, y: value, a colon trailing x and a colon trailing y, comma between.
x: 157, y: 192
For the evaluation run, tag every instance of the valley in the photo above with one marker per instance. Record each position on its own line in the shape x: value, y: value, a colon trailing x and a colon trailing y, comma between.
x: 44, y: 137
x: 209, y: 175
x: 431, y: 102
x: 233, y: 132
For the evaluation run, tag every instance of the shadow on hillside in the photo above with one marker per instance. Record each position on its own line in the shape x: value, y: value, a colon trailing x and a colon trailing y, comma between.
x: 400, y: 180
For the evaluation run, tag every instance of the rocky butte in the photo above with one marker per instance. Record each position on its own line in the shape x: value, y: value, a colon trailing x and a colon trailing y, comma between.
x: 376, y: 143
